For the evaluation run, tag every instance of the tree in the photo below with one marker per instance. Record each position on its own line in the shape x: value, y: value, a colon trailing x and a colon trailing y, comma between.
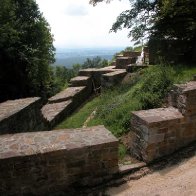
x: 171, y: 23
x: 26, y: 50
x: 96, y: 62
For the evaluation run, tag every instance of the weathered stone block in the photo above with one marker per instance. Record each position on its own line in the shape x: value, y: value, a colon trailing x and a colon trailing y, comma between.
x: 112, y: 78
x: 96, y: 74
x: 131, y: 54
x: 21, y: 115
x: 55, y: 112
x: 161, y: 131
x: 183, y: 97
x: 81, y: 81
x: 123, y: 62
x: 155, y: 129
x: 67, y: 94
x: 52, y: 161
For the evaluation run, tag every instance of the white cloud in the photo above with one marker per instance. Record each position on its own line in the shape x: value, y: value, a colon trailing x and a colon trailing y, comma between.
x: 76, y: 10
x: 91, y: 26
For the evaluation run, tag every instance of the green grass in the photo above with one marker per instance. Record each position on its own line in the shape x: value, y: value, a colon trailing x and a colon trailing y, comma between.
x: 144, y: 91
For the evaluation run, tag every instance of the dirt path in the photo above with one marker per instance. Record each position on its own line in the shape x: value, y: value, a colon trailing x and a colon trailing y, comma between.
x: 178, y: 180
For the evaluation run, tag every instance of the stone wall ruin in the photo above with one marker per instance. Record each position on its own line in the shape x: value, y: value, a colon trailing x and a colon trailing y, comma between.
x: 159, y: 132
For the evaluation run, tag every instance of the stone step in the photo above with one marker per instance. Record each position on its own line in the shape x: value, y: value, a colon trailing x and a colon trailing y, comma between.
x: 21, y: 115
x: 113, y: 78
x: 87, y: 72
x: 96, y: 74
x: 55, y: 112
x: 131, y: 54
x: 67, y: 94
x: 80, y: 81
x: 123, y: 62
x: 95, y: 71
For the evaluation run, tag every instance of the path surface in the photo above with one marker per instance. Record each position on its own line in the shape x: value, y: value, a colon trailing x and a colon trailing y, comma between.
x: 178, y: 180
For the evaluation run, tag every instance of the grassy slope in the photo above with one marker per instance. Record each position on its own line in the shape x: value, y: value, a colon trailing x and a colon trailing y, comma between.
x: 113, y: 107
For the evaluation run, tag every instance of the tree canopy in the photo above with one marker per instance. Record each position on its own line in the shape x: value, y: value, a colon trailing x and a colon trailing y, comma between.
x: 26, y: 50
x: 170, y: 20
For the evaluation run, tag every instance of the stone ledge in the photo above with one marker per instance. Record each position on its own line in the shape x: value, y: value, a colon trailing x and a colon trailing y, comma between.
x: 112, y: 78
x: 21, y: 115
x: 12, y: 107
x: 189, y: 87
x: 44, y: 163
x: 135, y: 67
x: 115, y: 73
x: 80, y: 81
x: 183, y: 97
x: 123, y: 62
x: 67, y: 94
x: 33, y: 143
x: 55, y: 112
x: 159, y: 115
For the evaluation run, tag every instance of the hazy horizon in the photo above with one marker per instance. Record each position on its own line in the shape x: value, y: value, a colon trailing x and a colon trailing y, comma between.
x: 68, y: 57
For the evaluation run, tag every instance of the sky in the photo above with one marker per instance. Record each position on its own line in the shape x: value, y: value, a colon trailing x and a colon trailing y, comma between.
x: 76, y: 24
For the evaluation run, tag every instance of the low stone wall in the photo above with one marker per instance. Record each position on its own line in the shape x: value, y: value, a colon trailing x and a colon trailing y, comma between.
x: 131, y: 54
x: 49, y: 162
x: 161, y: 131
x: 113, y: 78
x: 81, y: 81
x: 21, y: 115
x: 96, y: 74
x: 64, y: 103
x: 122, y: 62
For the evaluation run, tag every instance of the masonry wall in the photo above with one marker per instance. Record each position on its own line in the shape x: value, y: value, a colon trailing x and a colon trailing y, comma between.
x: 21, y: 115
x: 159, y: 132
x: 49, y: 162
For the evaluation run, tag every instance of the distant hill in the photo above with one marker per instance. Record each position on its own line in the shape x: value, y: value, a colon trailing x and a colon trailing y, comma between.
x: 68, y: 57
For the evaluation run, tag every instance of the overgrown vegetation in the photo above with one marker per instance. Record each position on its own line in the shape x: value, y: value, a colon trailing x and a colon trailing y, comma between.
x: 144, y: 91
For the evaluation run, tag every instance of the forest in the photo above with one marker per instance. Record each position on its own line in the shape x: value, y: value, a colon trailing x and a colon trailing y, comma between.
x: 168, y: 27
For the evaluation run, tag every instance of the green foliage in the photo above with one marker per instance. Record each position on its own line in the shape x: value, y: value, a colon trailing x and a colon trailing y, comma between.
x: 26, y: 50
x: 78, y: 118
x: 113, y: 107
x: 61, y: 77
x: 154, y: 86
x: 121, y: 151
x: 96, y: 62
x: 139, y: 19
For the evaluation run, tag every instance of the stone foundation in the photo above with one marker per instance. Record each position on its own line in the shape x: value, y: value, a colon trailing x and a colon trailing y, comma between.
x: 159, y: 132
x: 49, y: 162
x: 21, y: 115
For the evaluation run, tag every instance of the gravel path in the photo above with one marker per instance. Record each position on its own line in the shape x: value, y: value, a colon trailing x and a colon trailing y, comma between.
x: 178, y: 180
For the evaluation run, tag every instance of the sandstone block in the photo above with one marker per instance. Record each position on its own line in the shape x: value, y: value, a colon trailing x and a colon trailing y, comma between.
x: 21, y: 115
x: 50, y: 162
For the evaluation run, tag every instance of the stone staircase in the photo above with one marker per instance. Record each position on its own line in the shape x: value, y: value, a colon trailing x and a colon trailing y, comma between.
x: 64, y: 103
